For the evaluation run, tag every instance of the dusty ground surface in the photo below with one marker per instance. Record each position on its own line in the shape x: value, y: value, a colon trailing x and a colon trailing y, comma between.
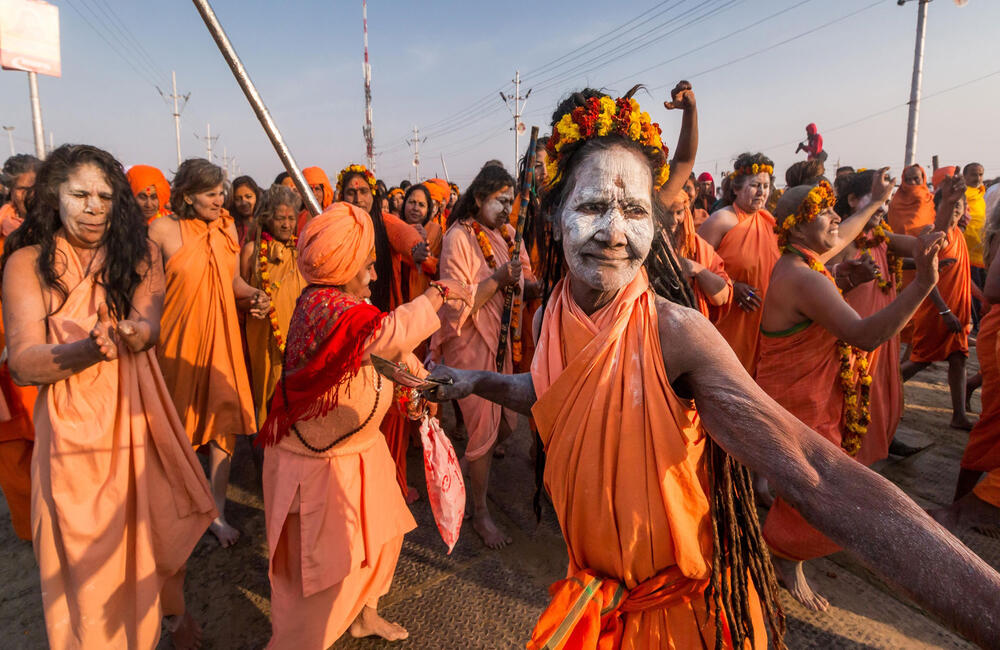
x: 476, y: 598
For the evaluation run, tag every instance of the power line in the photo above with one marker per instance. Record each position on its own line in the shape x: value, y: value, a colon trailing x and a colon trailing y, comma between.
x: 111, y: 45
x: 121, y: 40
x: 122, y: 29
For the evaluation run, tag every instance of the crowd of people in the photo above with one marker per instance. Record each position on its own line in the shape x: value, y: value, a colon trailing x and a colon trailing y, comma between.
x: 684, y: 355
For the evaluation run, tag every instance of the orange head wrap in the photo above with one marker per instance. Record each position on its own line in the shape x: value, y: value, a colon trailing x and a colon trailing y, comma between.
x: 142, y: 176
x: 439, y: 190
x: 334, y: 246
x: 942, y: 173
x: 316, y: 176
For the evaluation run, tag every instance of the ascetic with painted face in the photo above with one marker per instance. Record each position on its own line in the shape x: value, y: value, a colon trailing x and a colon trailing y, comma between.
x: 606, y: 223
x: 84, y: 203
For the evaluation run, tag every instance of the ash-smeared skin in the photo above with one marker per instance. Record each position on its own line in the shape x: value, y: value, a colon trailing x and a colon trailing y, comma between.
x: 857, y: 508
x: 494, y: 210
x: 606, y: 221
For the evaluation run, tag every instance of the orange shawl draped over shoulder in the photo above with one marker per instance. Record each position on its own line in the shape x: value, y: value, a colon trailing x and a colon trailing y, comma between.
x: 625, y: 472
x: 200, y: 348
x: 749, y: 250
x: 118, y: 497
x: 982, y: 452
x: 911, y: 209
x: 932, y: 341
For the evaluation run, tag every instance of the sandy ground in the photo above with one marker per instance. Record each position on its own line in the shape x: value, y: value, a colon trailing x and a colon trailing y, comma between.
x: 476, y: 598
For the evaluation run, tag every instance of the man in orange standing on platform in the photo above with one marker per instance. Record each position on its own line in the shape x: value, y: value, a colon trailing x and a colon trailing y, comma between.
x: 942, y: 324
x: 743, y: 235
x: 200, y: 348
x: 151, y: 190
x: 17, y: 434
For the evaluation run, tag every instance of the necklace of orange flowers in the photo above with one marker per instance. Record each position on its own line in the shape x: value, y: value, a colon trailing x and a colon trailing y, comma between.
x: 855, y: 375
x: 515, y: 315
x: 873, y: 239
x: 269, y: 287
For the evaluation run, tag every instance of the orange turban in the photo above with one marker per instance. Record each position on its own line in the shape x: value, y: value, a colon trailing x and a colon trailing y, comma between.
x: 941, y: 173
x: 142, y: 176
x: 334, y: 246
x: 316, y: 176
x: 439, y: 189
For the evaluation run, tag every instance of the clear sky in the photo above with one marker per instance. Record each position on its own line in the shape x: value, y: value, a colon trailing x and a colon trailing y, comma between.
x: 761, y: 71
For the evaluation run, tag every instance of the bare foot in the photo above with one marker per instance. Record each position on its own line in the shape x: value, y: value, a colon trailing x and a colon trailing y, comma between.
x: 369, y: 623
x: 226, y: 534
x: 187, y: 634
x: 790, y: 575
x: 961, y: 422
x: 411, y: 494
x: 493, y: 537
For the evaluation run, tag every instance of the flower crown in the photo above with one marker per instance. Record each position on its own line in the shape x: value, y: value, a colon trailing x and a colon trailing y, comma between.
x: 601, y: 116
x: 754, y: 169
x: 819, y: 198
x: 355, y: 169
x: 392, y: 192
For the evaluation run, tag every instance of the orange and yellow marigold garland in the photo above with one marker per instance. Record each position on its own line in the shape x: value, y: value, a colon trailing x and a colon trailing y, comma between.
x: 271, y: 288
x: 873, y: 239
x: 855, y: 375
x: 515, y: 315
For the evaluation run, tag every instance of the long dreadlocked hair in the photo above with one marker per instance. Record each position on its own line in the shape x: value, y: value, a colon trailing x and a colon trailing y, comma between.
x: 740, y: 550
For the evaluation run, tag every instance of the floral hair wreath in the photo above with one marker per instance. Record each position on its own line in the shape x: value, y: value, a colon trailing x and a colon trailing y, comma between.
x: 601, y: 116
x: 819, y: 198
x: 394, y: 191
x: 355, y: 169
x: 754, y: 169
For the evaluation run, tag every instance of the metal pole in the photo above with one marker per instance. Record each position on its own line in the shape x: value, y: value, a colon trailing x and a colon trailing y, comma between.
x: 416, y: 152
x: 257, y: 104
x: 517, y: 117
x: 369, y: 134
x: 36, y: 116
x: 10, y: 137
x: 177, y: 117
x: 52, y: 141
x: 208, y: 140
x: 918, y: 65
x: 444, y: 166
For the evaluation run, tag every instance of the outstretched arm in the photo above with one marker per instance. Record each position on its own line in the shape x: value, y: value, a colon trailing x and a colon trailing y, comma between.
x: 687, y: 141
x: 855, y: 507
x: 515, y: 392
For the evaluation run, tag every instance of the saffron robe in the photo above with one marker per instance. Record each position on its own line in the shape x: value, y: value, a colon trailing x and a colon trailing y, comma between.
x: 749, y: 251
x: 705, y: 255
x: 266, y: 357
x: 886, y: 395
x: 118, y: 499
x: 989, y: 488
x: 911, y: 212
x: 17, y: 435
x: 932, y: 341
x: 9, y: 221
x: 800, y: 369
x: 471, y: 343
x: 336, y: 520
x: 982, y: 452
x: 625, y: 467
x: 200, y: 348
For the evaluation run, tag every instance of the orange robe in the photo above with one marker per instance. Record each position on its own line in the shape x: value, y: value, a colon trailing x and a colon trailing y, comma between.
x: 200, y: 349
x: 265, y: 356
x: 749, y: 250
x: 911, y: 212
x: 887, y: 383
x: 118, y: 499
x: 932, y: 341
x: 9, y: 221
x: 626, y: 473
x: 982, y: 452
x: 471, y: 344
x: 336, y: 520
x: 800, y: 369
x: 705, y: 255
x: 17, y: 436
x: 989, y: 488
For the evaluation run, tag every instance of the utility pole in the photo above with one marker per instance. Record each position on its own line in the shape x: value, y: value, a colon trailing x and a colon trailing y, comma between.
x: 52, y: 141
x: 416, y: 150
x: 10, y: 138
x: 367, y: 130
x: 177, y: 111
x: 209, y: 139
x: 225, y: 161
x: 36, y: 115
x: 918, y: 70
x: 518, y: 106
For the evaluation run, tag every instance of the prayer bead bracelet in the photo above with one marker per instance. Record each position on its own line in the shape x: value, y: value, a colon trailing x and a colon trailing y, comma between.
x: 443, y: 290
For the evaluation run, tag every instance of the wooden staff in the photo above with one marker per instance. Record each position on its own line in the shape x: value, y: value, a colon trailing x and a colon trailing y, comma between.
x: 243, y: 79
x: 520, y: 211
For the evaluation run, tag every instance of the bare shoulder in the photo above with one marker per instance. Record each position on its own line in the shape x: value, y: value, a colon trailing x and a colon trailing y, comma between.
x: 717, y: 225
x: 163, y: 229
x: 22, y: 263
x: 686, y: 337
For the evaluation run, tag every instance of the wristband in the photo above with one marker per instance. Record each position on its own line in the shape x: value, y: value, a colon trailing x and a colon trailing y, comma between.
x: 443, y: 290
x: 946, y: 311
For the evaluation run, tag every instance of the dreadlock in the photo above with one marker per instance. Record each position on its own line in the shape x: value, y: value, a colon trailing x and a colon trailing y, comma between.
x: 740, y: 551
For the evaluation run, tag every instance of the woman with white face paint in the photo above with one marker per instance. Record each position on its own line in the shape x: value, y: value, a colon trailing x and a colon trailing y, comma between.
x: 659, y: 519
x: 743, y: 235
x: 477, y: 250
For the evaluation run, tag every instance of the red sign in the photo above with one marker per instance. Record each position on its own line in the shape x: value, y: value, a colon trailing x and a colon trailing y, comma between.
x: 29, y: 37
